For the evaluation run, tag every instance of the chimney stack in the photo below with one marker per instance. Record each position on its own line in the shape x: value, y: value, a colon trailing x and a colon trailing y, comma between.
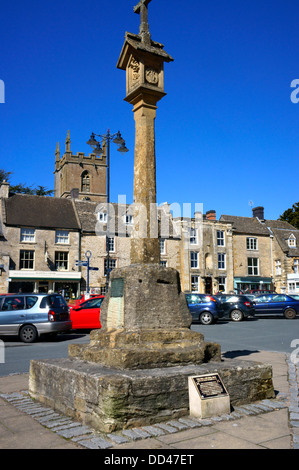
x: 4, y: 189
x: 211, y: 215
x: 258, y: 212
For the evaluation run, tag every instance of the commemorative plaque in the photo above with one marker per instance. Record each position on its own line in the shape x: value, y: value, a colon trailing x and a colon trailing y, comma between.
x: 208, y: 396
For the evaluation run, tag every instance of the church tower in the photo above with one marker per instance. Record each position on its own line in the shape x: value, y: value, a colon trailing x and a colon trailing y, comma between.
x: 80, y: 175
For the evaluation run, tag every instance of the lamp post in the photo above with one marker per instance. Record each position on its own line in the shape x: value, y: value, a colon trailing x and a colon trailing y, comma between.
x: 97, y: 150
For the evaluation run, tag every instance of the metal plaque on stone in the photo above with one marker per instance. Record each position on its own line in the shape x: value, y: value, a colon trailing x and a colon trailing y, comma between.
x: 117, y: 287
x: 208, y: 396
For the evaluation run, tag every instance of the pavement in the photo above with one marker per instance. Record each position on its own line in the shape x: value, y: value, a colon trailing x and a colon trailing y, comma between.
x: 268, y: 424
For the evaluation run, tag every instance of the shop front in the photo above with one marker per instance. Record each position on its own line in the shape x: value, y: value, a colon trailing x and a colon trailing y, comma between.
x: 293, y: 284
x: 250, y: 283
x: 65, y: 283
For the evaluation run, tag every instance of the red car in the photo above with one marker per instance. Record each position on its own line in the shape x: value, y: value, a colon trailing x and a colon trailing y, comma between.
x: 83, y: 298
x: 87, y: 314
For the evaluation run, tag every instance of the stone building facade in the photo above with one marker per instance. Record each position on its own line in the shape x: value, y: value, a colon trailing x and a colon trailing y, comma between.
x: 206, y: 254
x: 263, y: 258
x: 285, y: 242
x: 39, y: 244
x: 42, y: 238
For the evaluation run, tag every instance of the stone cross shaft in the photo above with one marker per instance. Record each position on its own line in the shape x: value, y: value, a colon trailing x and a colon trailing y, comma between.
x: 143, y: 60
x: 144, y: 242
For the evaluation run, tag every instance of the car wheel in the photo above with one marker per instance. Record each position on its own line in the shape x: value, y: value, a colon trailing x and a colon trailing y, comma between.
x: 28, y: 334
x: 236, y: 315
x: 290, y: 313
x: 206, y: 318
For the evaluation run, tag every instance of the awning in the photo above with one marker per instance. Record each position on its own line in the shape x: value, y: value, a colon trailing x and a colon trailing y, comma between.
x: 44, y: 276
x: 253, y: 279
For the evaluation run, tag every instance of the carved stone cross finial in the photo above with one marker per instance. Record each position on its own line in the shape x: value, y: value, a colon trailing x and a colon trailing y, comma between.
x: 144, y: 27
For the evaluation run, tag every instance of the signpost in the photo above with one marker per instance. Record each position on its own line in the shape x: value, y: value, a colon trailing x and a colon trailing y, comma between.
x: 80, y: 263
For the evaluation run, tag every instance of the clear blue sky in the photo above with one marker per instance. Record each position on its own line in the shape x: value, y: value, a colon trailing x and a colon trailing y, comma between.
x: 227, y: 132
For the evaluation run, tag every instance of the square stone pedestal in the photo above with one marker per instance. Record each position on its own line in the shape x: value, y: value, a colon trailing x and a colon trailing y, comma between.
x: 109, y: 399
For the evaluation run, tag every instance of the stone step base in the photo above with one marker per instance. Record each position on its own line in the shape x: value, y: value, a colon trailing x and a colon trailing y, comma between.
x: 110, y: 400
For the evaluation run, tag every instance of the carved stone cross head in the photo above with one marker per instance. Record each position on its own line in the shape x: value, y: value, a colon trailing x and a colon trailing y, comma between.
x: 142, y: 8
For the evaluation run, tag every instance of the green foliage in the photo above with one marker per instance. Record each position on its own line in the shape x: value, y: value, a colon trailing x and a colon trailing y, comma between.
x: 22, y: 188
x: 292, y: 215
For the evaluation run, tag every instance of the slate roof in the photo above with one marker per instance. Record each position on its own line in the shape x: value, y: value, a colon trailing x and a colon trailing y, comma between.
x: 279, y: 228
x: 282, y: 236
x: 40, y: 211
x: 246, y: 225
x: 87, y: 214
x: 86, y: 211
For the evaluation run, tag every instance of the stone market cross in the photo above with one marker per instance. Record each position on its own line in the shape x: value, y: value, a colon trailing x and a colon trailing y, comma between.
x: 134, y: 372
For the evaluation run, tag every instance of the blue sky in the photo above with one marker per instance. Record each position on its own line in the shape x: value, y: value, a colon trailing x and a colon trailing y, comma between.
x: 227, y: 132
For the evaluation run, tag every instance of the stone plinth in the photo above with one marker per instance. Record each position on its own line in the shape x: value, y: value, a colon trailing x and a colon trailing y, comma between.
x: 145, y: 324
x: 111, y: 400
x: 146, y: 349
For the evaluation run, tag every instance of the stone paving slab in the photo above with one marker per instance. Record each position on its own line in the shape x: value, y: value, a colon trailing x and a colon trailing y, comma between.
x: 266, y: 424
x: 87, y: 437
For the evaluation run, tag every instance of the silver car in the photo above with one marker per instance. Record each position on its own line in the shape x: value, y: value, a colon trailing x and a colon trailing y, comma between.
x: 32, y: 315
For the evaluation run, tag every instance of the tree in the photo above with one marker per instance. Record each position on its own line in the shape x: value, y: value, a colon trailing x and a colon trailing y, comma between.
x: 292, y: 215
x: 23, y: 189
x: 4, y: 175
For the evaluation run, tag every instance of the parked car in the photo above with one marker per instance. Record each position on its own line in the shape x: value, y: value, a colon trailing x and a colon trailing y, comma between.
x: 82, y: 299
x: 86, y: 315
x: 250, y: 296
x: 260, y: 292
x: 276, y: 304
x: 204, y: 308
x: 294, y: 296
x: 236, y: 307
x: 32, y: 315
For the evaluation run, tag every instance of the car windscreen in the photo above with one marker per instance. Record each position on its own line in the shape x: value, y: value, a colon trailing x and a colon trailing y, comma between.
x: 92, y: 303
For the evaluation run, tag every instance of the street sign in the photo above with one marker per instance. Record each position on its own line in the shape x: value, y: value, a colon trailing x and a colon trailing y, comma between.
x: 94, y: 269
x: 81, y: 263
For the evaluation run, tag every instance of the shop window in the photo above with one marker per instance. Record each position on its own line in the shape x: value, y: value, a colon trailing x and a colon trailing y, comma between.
x: 194, y: 283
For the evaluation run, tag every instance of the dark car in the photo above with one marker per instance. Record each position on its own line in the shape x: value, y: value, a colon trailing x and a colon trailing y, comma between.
x: 276, y: 304
x: 236, y: 307
x: 204, y: 308
x: 260, y: 292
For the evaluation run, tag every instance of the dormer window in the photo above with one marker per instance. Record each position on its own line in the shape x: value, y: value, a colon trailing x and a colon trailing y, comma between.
x: 292, y: 241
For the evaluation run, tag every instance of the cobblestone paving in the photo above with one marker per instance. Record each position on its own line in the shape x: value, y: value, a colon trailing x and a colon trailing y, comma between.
x: 87, y: 437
